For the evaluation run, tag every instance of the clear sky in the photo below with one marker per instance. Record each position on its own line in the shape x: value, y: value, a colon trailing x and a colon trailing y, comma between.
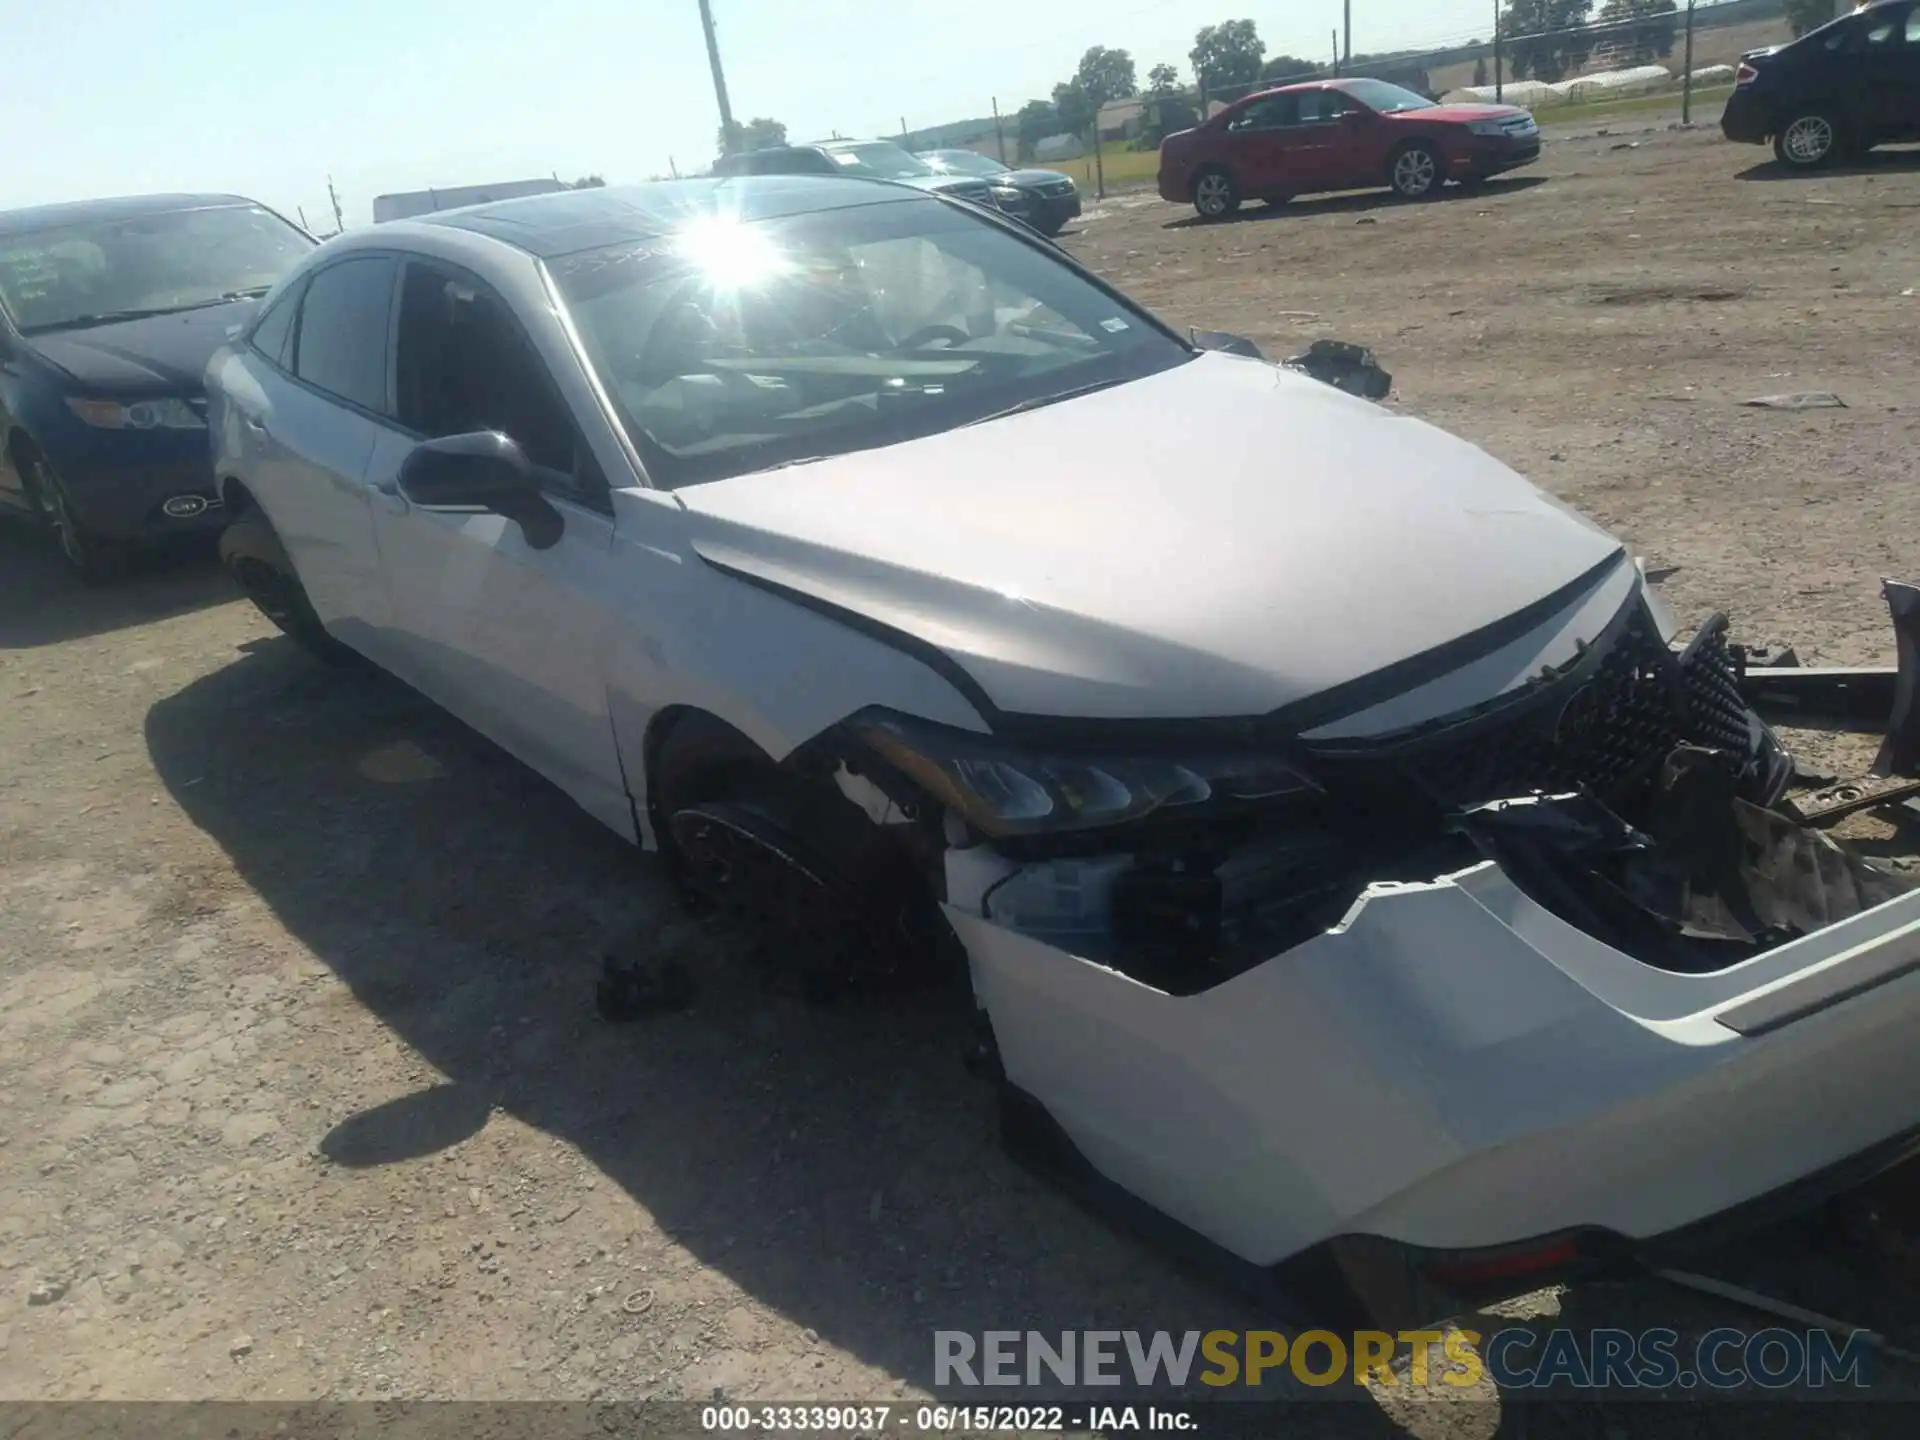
x: 268, y: 98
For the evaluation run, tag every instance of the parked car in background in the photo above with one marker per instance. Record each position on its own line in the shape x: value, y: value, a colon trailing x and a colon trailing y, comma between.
x: 1839, y: 90
x: 738, y: 510
x: 869, y: 160
x: 109, y: 310
x: 1340, y: 135
x: 403, y: 205
x: 1048, y: 199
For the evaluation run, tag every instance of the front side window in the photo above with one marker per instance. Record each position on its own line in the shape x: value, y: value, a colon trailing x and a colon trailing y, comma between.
x: 1387, y: 99
x: 1269, y: 114
x: 1317, y: 107
x: 463, y: 364
x: 341, y: 345
x: 734, y: 346
x: 95, y: 273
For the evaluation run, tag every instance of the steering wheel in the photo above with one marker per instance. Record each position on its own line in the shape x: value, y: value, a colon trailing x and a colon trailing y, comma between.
x: 929, y: 333
x: 685, y: 330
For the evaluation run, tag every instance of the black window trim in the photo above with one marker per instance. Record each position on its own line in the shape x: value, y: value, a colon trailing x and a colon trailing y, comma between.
x: 600, y: 503
x: 296, y: 297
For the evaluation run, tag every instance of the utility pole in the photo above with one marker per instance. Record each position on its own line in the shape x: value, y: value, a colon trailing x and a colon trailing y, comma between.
x: 1336, y: 52
x: 301, y: 211
x: 1000, y: 135
x: 719, y: 77
x: 339, y: 224
x: 1686, y: 84
x: 1498, y: 83
x: 1347, y: 17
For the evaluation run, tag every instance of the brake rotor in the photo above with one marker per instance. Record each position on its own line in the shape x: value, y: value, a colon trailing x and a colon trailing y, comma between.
x: 816, y: 927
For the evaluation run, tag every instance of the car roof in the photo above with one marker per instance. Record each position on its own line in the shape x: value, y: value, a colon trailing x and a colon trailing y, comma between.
x: 575, y: 220
x: 124, y: 207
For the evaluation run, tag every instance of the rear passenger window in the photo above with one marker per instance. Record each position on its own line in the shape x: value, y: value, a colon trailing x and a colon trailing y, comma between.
x: 273, y: 336
x: 342, y: 344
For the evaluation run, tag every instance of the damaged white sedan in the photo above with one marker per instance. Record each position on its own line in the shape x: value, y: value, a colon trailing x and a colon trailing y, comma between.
x: 1349, y: 856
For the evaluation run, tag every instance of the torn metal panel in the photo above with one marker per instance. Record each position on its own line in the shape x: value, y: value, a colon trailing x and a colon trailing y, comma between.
x: 1708, y: 867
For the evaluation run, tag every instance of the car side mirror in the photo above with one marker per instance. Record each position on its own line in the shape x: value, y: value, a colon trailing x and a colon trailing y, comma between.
x: 1344, y: 366
x: 1229, y: 344
x: 484, y: 470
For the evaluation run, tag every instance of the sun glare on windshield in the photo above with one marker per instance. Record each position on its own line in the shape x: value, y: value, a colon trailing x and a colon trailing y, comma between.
x: 732, y: 255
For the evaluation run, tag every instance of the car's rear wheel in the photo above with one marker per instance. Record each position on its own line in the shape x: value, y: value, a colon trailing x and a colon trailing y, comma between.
x: 93, y: 560
x: 1807, y: 141
x: 1215, y: 196
x: 1414, y: 171
x: 260, y: 565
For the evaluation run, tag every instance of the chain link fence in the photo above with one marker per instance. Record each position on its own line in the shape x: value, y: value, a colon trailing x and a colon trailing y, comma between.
x: 1685, y: 57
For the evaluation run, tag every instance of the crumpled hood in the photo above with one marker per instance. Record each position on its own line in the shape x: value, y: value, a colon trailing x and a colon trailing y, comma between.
x: 1222, y: 539
x: 162, y: 354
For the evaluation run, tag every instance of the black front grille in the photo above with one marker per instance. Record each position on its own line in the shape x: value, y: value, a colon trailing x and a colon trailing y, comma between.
x: 1608, y: 735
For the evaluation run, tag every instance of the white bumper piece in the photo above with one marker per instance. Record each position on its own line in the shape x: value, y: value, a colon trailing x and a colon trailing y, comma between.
x: 1455, y: 1067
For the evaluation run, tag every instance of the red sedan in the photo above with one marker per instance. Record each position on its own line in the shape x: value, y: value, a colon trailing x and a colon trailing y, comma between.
x: 1340, y: 135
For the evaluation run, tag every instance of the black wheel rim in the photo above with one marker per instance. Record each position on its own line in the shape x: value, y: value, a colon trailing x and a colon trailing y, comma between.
x: 54, y: 500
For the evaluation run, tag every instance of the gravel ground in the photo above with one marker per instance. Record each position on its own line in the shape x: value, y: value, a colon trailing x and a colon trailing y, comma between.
x: 305, y: 1092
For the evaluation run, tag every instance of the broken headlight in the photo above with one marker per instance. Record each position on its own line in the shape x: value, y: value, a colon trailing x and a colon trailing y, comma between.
x: 1003, y: 791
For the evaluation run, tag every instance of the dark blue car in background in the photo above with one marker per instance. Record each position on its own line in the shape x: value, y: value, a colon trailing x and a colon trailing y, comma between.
x: 109, y: 312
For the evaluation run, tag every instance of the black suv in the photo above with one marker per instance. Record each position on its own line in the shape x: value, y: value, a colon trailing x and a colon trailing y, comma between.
x: 1839, y: 90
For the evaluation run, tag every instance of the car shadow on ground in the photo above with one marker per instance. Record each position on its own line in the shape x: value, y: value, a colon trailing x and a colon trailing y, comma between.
x: 42, y: 603
x: 837, y: 1163
x: 1874, y: 163
x: 1361, y: 201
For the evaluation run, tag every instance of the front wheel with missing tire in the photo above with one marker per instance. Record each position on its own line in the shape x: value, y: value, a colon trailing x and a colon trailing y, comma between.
x: 1414, y: 171
x: 1807, y: 141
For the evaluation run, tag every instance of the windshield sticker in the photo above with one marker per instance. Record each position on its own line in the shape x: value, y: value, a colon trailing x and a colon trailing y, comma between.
x: 1113, y: 326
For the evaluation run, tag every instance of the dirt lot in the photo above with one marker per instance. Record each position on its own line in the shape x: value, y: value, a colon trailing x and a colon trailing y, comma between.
x: 305, y: 1093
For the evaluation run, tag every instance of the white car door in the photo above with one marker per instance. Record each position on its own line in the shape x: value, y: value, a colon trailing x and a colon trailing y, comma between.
x: 307, y: 415
x: 509, y: 637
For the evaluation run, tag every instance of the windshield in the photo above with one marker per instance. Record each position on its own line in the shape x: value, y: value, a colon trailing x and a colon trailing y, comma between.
x: 881, y: 159
x: 964, y: 162
x: 734, y: 346
x: 1387, y: 99
x: 86, y: 274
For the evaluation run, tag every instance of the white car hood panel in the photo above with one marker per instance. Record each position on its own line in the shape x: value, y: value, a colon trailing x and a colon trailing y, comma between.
x: 1222, y: 539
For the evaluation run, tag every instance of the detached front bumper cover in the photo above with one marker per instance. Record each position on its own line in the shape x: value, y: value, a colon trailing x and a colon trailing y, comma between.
x: 1473, y: 1079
